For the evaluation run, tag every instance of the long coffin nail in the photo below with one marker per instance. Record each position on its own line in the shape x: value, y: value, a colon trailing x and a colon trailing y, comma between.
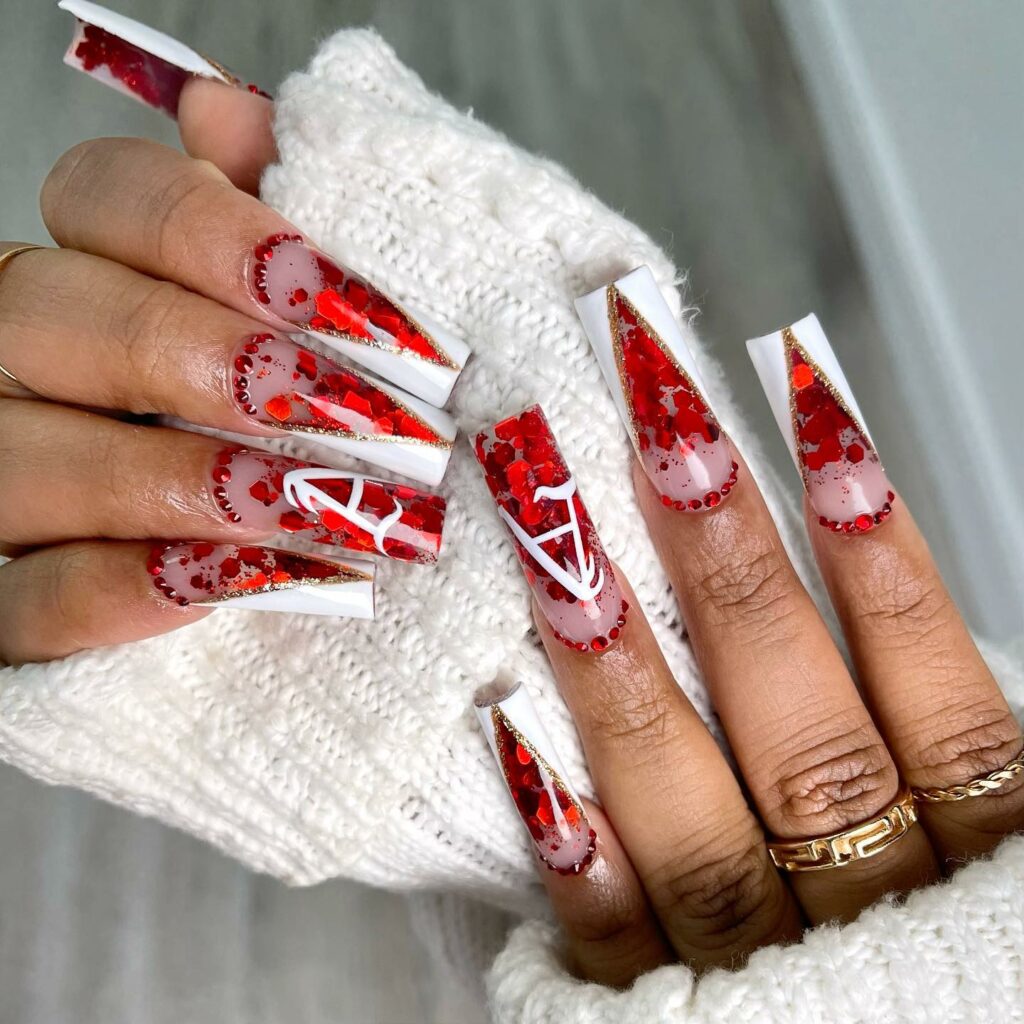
x: 328, y: 506
x: 262, y: 579
x: 656, y: 386
x: 548, y: 805
x: 307, y: 289
x: 819, y: 418
x: 561, y: 554
x: 289, y: 387
x: 136, y: 59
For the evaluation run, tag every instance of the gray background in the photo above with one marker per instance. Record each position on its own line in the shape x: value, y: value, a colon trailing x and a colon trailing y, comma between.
x: 839, y: 157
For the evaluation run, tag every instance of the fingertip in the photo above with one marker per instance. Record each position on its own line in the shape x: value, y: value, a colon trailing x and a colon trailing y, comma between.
x: 229, y: 126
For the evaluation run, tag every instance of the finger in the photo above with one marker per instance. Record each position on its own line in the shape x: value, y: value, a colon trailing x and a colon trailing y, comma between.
x: 611, y: 933
x: 942, y: 713
x: 72, y: 597
x: 231, y: 128
x: 179, y: 219
x: 662, y: 780
x: 808, y: 750
x: 220, y: 119
x: 84, y: 330
x: 67, y: 473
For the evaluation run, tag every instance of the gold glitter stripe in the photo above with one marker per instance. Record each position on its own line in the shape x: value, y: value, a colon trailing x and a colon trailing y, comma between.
x: 497, y: 715
x: 344, y: 574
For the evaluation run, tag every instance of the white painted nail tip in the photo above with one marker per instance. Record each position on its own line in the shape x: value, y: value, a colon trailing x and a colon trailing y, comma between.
x: 658, y: 392
x: 153, y: 66
x: 817, y: 414
x: 536, y: 780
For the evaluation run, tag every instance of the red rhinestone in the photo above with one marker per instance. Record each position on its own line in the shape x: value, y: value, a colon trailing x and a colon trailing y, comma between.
x: 863, y: 522
x: 221, y: 474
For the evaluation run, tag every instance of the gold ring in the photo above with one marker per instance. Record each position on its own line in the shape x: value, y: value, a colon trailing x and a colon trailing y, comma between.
x: 981, y: 785
x: 6, y: 258
x: 857, y: 843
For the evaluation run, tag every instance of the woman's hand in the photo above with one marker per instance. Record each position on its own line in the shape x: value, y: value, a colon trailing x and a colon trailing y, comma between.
x: 170, y: 293
x: 681, y: 867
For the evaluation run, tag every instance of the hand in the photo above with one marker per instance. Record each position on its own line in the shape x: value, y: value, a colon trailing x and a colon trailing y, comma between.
x: 155, y: 303
x: 674, y: 864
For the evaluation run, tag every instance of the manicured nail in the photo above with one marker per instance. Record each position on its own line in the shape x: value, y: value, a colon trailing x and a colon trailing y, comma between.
x: 561, y: 554
x: 262, y: 579
x: 136, y: 59
x: 548, y: 805
x: 307, y: 289
x: 289, y: 387
x: 819, y: 418
x: 657, y: 389
x: 328, y: 506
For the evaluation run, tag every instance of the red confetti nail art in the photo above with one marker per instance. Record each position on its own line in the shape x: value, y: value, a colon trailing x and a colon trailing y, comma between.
x: 842, y: 473
x: 204, y: 573
x: 327, y: 506
x: 561, y: 554
x: 555, y: 819
x: 681, y: 446
x: 304, y: 287
x: 292, y: 388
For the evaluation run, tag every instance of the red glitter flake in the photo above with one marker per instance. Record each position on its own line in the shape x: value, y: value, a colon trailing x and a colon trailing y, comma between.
x: 531, y: 784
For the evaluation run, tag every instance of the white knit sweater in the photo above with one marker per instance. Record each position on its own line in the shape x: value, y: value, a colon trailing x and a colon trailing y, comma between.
x: 311, y: 748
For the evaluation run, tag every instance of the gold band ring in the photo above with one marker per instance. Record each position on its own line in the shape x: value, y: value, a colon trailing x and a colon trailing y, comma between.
x: 6, y: 258
x: 981, y: 785
x: 857, y: 843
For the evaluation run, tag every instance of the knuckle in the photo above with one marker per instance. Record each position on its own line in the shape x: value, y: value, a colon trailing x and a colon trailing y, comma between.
x: 640, y: 718
x: 74, y: 581
x: 982, y: 739
x: 903, y: 607
x: 188, y: 195
x: 752, y: 583
x: 622, y: 918
x: 66, y: 183
x: 725, y: 895
x: 838, y: 779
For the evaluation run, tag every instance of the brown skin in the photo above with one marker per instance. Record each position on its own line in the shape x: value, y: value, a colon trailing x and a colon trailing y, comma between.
x: 140, y: 311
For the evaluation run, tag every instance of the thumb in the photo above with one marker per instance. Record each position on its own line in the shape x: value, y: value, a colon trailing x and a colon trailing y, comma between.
x: 230, y: 127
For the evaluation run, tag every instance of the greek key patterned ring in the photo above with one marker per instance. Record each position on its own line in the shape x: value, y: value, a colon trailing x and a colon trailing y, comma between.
x: 858, y: 843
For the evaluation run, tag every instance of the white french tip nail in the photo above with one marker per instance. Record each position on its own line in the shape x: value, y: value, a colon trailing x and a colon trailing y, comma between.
x: 133, y: 58
x: 422, y: 460
x: 817, y: 414
x: 658, y: 392
x: 533, y: 772
x: 262, y: 579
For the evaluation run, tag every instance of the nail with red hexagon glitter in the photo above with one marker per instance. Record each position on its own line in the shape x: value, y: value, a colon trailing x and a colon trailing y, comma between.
x: 331, y: 507
x: 292, y: 388
x: 561, y: 554
x: 136, y: 60
x: 536, y: 780
x: 818, y: 415
x: 307, y: 289
x: 261, y: 579
x: 657, y: 390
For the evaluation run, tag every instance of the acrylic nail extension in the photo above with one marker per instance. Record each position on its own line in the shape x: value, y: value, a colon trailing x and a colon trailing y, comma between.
x: 135, y: 59
x: 328, y: 506
x: 820, y: 420
x: 261, y: 579
x: 562, y: 556
x: 291, y: 388
x: 546, y: 802
x: 657, y: 389
x: 306, y: 288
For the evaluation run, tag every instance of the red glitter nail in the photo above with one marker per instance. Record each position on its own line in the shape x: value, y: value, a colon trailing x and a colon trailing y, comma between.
x: 556, y: 542
x: 327, y: 506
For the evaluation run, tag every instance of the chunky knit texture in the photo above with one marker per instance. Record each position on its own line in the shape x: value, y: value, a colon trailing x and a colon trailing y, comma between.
x: 311, y: 748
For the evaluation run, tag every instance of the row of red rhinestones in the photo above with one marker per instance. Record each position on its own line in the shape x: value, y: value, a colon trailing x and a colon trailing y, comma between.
x: 863, y: 522
x: 262, y: 254
x: 710, y: 500
x: 599, y: 643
